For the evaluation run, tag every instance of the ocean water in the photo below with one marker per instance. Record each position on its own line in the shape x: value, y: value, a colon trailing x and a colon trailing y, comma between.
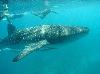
x: 78, y: 57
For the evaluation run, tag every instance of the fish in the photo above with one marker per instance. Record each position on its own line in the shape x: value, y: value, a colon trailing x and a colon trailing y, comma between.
x: 39, y: 36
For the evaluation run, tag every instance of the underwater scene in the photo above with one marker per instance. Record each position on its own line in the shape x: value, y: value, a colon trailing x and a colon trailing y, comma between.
x: 49, y: 36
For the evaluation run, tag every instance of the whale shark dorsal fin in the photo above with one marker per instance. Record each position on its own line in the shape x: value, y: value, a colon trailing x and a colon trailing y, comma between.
x: 29, y: 49
x: 11, y: 29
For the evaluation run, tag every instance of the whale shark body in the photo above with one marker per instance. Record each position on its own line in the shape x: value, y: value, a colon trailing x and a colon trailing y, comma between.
x: 34, y: 38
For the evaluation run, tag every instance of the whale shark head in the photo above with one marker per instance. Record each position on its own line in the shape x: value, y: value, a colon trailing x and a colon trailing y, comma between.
x: 60, y: 33
x: 76, y: 32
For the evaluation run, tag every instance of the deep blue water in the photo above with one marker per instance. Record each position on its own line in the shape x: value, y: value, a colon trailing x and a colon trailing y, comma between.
x: 78, y: 57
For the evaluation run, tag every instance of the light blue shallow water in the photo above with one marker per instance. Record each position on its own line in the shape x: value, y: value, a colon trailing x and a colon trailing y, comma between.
x: 78, y: 57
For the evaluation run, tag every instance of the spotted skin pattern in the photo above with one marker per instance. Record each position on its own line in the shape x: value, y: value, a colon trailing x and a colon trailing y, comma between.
x: 36, y: 37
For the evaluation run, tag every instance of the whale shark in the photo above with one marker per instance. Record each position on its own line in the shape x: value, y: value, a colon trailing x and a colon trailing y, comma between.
x: 37, y: 37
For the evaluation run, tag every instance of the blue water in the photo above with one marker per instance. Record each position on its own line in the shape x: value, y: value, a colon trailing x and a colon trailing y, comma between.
x: 78, y: 57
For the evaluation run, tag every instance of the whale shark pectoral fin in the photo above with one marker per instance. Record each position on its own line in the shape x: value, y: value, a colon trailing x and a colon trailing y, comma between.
x: 29, y: 49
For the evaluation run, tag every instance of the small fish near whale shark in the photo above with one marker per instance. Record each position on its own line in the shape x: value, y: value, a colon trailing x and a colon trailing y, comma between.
x: 34, y: 38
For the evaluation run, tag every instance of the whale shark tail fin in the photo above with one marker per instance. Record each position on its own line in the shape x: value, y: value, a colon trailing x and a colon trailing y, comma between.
x: 29, y: 49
